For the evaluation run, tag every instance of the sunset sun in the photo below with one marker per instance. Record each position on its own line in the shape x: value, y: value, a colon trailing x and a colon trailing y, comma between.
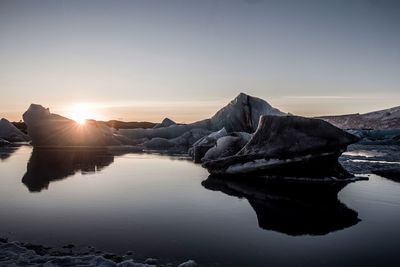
x: 81, y: 112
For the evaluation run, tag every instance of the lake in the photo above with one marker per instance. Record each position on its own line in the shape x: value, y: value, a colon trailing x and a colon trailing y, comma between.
x: 168, y: 208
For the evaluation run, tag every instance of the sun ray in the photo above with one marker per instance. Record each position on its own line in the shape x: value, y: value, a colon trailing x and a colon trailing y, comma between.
x: 81, y: 112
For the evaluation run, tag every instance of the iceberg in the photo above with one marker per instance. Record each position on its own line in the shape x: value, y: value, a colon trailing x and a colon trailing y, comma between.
x: 227, y: 146
x: 48, y: 129
x: 285, y: 146
x: 201, y: 146
x: 240, y: 115
x: 180, y: 144
x: 11, y: 133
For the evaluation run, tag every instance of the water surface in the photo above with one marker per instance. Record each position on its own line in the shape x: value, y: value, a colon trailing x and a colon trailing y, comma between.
x: 168, y: 208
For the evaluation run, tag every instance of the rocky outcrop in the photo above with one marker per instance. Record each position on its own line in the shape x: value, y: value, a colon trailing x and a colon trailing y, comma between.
x: 11, y: 133
x: 48, y: 129
x: 240, y: 115
x: 165, y: 123
x: 287, y: 145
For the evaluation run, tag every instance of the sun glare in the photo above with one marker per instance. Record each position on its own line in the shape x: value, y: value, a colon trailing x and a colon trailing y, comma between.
x: 80, y: 120
x: 81, y: 112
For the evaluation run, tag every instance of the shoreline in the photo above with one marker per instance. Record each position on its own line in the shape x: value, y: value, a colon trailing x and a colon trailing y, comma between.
x: 18, y: 253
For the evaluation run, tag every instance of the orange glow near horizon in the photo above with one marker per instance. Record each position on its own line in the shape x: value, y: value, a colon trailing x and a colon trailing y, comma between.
x: 81, y: 112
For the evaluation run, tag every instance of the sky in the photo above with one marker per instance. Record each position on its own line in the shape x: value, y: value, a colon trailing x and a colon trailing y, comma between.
x: 146, y: 60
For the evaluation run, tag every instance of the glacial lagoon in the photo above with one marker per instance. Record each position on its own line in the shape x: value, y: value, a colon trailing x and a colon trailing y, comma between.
x: 167, y: 207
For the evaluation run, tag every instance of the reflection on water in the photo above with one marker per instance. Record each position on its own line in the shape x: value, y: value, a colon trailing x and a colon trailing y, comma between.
x: 293, y: 208
x: 47, y: 165
x: 290, y: 207
x: 52, y: 164
x: 157, y: 207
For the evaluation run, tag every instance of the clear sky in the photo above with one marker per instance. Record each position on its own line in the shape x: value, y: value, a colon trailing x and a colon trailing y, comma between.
x: 144, y: 60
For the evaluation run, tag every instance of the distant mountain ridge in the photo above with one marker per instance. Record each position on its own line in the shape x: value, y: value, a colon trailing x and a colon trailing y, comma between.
x: 381, y: 119
x: 116, y: 124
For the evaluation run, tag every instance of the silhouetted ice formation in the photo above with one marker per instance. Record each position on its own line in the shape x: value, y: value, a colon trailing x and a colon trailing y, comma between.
x: 48, y: 129
x: 179, y: 144
x: 47, y: 165
x: 201, y: 146
x: 240, y: 115
x: 289, y: 206
x: 11, y: 133
x: 288, y: 146
x: 227, y: 146
x: 247, y: 136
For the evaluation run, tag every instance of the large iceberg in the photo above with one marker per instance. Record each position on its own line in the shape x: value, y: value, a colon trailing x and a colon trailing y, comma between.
x: 240, y: 115
x: 48, y: 129
x: 286, y: 145
x: 11, y: 133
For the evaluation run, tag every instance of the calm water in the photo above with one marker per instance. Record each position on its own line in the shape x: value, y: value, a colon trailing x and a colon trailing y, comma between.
x: 167, y: 208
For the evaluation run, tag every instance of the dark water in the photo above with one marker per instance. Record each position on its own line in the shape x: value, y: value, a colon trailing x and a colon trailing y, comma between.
x: 168, y: 208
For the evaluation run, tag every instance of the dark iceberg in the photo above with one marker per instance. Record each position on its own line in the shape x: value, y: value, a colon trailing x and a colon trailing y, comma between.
x: 48, y: 129
x: 288, y: 146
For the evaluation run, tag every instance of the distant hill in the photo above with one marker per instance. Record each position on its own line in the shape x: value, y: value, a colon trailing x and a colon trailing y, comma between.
x: 130, y: 125
x: 382, y: 119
